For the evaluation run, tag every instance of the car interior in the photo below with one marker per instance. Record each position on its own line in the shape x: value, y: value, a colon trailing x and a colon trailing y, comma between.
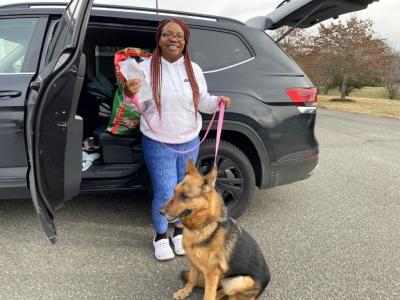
x: 120, y: 156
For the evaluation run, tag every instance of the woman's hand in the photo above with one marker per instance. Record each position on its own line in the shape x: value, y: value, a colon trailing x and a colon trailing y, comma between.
x: 131, y: 87
x: 129, y: 123
x: 226, y: 100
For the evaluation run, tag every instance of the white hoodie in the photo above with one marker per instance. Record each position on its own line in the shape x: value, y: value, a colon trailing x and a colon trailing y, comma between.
x: 178, y: 123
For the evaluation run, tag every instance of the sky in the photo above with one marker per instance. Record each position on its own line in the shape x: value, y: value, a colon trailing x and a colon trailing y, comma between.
x: 385, y: 14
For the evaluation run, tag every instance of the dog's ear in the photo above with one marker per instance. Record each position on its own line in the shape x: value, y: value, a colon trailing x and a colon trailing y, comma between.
x: 191, y: 167
x: 209, y: 180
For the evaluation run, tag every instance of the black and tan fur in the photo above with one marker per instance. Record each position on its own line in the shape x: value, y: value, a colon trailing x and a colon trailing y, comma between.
x: 224, y: 258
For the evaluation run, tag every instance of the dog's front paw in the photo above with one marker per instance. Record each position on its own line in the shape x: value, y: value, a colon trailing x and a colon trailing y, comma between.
x: 182, y: 293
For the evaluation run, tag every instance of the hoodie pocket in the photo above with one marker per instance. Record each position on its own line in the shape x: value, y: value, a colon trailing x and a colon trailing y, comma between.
x: 178, y: 123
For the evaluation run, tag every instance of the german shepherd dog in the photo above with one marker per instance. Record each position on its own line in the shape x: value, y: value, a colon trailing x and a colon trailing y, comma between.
x: 224, y: 258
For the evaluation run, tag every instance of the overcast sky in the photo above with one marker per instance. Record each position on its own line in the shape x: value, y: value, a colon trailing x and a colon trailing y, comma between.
x: 385, y: 14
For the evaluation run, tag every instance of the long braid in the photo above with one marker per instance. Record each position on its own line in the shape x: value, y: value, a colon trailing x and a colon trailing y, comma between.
x: 155, y: 70
x: 193, y: 82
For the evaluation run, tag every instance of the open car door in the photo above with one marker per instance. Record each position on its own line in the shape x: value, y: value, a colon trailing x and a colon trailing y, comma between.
x: 306, y: 13
x: 53, y: 130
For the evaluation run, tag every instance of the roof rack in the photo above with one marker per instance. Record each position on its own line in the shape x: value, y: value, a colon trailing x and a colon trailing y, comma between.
x: 124, y: 7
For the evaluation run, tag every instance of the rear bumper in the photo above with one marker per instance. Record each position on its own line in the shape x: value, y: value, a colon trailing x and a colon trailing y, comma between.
x: 292, y: 171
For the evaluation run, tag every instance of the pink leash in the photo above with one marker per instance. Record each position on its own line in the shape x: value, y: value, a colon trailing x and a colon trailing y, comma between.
x: 135, y: 101
x: 219, y: 127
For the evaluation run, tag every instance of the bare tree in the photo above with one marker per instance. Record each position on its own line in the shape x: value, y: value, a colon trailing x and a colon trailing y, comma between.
x: 392, y: 76
x: 299, y: 45
x: 294, y: 43
x: 347, y: 54
x: 352, y: 50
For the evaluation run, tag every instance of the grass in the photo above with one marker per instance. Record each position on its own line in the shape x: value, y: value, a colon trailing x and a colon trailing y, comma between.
x: 368, y: 100
x: 365, y: 92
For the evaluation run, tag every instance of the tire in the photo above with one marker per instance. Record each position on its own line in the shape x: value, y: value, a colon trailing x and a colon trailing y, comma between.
x: 236, y: 179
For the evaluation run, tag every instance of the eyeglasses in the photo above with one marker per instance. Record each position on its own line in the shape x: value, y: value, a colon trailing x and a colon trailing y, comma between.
x: 169, y: 35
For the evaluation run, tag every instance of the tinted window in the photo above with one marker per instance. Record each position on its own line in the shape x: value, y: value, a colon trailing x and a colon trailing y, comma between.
x: 105, y: 60
x: 215, y: 49
x: 15, y: 36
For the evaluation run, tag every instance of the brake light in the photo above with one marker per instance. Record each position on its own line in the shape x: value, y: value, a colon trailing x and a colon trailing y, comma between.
x: 303, y: 96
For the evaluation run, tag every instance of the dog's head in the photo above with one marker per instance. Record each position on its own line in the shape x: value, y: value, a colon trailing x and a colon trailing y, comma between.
x: 195, y: 201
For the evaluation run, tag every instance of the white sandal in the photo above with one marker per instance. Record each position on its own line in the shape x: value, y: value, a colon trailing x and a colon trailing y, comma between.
x: 162, y: 249
x: 177, y: 241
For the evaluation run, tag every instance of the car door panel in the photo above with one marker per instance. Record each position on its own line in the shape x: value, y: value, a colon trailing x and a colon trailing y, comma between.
x: 21, y: 39
x: 59, y: 140
x: 54, y: 131
x: 12, y: 119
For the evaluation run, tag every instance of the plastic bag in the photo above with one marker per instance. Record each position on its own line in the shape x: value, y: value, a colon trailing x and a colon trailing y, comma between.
x: 131, y: 70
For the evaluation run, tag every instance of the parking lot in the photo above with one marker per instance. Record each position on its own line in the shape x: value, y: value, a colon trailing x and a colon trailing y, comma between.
x: 333, y: 236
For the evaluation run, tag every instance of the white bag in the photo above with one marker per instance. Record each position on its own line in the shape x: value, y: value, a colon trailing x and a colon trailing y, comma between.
x: 131, y: 70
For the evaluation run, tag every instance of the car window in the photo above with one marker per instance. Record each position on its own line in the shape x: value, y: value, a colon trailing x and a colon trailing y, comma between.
x: 15, y: 36
x: 214, y: 50
x: 104, y: 60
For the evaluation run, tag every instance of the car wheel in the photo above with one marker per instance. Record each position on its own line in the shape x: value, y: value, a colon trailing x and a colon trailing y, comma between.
x: 236, y: 179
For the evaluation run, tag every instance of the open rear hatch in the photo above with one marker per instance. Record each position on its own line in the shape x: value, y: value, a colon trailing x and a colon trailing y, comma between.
x: 306, y: 13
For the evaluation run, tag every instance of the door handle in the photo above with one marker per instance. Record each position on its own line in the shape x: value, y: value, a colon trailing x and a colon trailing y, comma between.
x: 4, y: 95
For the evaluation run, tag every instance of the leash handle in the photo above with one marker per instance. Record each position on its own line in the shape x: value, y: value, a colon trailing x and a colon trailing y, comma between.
x: 135, y: 101
x: 219, y: 127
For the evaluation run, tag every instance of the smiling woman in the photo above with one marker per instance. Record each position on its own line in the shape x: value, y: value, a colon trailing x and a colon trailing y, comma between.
x: 179, y: 92
x: 172, y: 41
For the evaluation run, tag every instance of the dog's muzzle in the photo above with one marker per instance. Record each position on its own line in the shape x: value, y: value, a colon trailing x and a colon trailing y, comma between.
x: 163, y: 212
x: 183, y: 214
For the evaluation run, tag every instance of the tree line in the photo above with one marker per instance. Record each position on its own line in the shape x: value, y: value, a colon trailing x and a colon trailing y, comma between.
x: 345, y: 55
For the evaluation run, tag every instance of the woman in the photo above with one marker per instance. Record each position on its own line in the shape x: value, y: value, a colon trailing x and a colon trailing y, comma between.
x: 179, y: 92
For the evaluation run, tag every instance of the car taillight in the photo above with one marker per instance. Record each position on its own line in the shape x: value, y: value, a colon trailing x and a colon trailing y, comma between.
x: 303, y: 96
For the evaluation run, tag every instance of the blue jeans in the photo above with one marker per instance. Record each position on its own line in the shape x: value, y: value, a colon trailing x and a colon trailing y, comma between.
x: 166, y: 169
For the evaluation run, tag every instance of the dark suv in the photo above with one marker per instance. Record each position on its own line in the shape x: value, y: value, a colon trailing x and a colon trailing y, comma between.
x: 52, y: 56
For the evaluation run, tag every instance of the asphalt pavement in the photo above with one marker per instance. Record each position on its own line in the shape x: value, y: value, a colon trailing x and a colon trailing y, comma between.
x: 333, y: 236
